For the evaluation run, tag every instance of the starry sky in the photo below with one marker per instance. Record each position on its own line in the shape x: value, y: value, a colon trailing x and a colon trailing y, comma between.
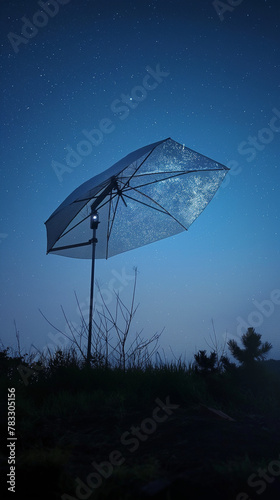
x: 68, y: 67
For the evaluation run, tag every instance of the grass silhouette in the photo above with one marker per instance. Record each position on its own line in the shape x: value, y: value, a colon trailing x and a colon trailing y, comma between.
x: 69, y: 414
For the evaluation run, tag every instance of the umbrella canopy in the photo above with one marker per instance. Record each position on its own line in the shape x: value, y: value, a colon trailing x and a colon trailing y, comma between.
x: 153, y: 193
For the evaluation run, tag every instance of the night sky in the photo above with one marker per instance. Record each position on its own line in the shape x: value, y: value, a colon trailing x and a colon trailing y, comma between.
x: 214, y: 75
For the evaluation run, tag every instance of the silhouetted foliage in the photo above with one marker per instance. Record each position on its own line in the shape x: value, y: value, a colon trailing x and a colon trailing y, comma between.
x: 254, y: 350
x: 206, y: 364
x: 211, y: 363
x: 9, y: 362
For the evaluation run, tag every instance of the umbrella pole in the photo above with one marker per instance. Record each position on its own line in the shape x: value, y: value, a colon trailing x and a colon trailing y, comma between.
x: 93, y: 225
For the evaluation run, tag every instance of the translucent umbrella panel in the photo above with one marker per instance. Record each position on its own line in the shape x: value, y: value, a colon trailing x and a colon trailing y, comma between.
x: 141, y: 199
x: 142, y: 215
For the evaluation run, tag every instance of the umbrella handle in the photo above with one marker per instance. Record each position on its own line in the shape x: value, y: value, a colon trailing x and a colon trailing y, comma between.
x: 94, y: 221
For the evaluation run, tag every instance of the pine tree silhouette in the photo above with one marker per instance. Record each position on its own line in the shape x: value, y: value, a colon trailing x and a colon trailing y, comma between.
x: 254, y: 350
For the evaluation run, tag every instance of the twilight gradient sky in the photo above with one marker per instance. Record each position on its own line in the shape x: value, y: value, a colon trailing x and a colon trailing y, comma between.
x: 218, y: 94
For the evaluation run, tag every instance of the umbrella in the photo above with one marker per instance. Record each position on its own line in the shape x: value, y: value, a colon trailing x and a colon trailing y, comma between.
x: 152, y: 193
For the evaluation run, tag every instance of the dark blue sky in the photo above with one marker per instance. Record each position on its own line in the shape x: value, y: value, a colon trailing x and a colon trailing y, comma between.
x: 216, y: 91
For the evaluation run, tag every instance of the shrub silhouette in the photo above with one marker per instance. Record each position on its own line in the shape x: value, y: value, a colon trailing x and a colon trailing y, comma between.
x: 206, y: 364
x: 254, y: 350
x: 211, y: 364
x: 9, y: 363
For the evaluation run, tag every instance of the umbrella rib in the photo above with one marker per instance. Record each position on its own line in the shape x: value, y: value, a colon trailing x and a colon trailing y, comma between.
x: 81, y: 221
x: 179, y: 173
x: 145, y: 204
x: 113, y: 219
x: 132, y: 175
x: 67, y: 247
x: 163, y: 209
x: 110, y: 226
x: 76, y: 225
x: 112, y: 196
x: 155, y: 181
x: 85, y: 218
x: 161, y: 172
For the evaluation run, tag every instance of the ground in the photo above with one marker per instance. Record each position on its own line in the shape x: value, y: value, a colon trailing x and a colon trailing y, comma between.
x: 194, y: 453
